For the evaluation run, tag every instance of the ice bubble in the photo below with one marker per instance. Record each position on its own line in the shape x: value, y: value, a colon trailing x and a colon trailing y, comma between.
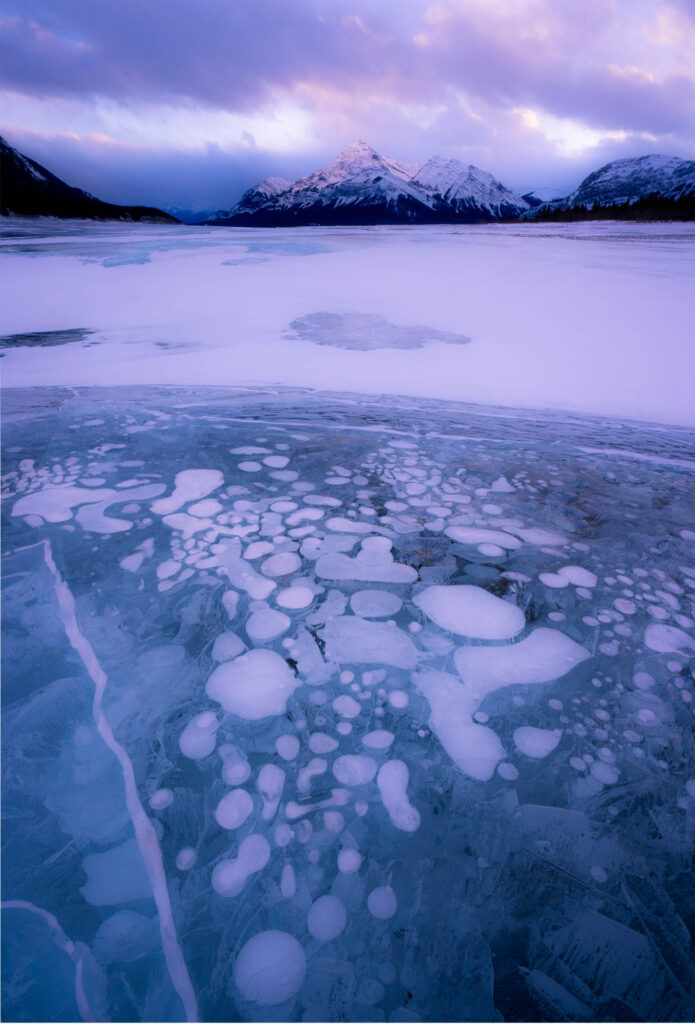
x: 477, y: 535
x: 287, y: 746
x: 276, y: 461
x: 398, y: 699
x: 599, y: 874
x: 327, y: 918
x: 233, y: 809
x: 373, y: 564
x: 199, y: 737
x: 475, y: 749
x: 349, y: 861
x: 354, y: 769
x: 235, y: 766
x: 271, y: 782
x: 471, y: 611
x: 333, y: 822
x: 186, y: 858
x: 258, y: 548
x: 189, y: 485
x: 382, y: 902
x: 349, y: 638
x: 346, y: 706
x: 553, y: 580
x: 544, y: 655
x: 507, y: 771
x: 227, y: 646
x: 270, y: 968
x: 229, y: 876
x: 668, y: 639
x: 288, y: 882
x: 253, y: 686
x: 281, y: 564
x: 491, y: 550
x: 249, y: 466
x: 578, y: 576
x: 605, y: 773
x: 375, y: 604
x: 160, y: 799
x: 317, y: 766
x: 322, y: 743
x: 267, y: 624
x: 392, y: 781
x: 536, y: 743
x: 295, y: 597
x: 378, y: 739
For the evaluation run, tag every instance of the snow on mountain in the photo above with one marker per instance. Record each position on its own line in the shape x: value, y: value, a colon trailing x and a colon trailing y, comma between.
x: 461, y: 187
x: 634, y: 178
x: 362, y: 186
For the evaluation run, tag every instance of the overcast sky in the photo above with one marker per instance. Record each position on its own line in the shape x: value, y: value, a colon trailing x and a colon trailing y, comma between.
x: 189, y: 102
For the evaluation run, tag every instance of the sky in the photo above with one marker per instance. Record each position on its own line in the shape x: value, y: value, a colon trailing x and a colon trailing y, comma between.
x: 186, y: 103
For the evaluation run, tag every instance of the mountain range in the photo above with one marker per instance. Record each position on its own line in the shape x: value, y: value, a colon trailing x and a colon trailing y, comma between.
x: 28, y: 189
x: 363, y: 187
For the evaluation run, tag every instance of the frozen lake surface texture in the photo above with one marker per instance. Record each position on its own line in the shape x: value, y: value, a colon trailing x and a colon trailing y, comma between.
x: 325, y: 703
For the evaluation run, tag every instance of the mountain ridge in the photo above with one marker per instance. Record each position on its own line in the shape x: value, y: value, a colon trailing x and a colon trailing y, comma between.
x: 27, y: 188
x: 360, y: 186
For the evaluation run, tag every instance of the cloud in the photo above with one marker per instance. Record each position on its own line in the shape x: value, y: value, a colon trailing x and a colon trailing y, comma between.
x: 525, y: 88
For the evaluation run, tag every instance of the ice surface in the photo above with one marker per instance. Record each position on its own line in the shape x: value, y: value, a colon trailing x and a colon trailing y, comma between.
x: 507, y: 289
x: 440, y: 822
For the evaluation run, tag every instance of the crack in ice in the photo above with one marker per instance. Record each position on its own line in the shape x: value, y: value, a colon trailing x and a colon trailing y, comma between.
x: 65, y: 943
x: 145, y: 834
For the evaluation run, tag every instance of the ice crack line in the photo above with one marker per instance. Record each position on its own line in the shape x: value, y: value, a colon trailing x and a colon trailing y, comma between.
x: 144, y: 831
x: 66, y: 944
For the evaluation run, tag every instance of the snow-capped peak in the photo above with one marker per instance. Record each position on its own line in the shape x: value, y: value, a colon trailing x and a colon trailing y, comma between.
x: 635, y: 177
x: 458, y: 183
x: 273, y: 186
x: 373, y: 186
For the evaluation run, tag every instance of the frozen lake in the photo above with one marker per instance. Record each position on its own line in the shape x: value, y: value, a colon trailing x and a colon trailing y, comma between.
x: 326, y: 695
x: 594, y: 318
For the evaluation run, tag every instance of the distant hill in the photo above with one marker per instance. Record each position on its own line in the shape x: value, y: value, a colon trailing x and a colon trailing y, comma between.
x: 363, y: 187
x: 29, y: 190
x: 651, y: 187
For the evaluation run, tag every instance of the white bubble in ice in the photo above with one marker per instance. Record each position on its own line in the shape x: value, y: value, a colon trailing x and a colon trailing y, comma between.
x: 349, y: 861
x: 382, y: 902
x: 270, y: 968
x: 327, y: 918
